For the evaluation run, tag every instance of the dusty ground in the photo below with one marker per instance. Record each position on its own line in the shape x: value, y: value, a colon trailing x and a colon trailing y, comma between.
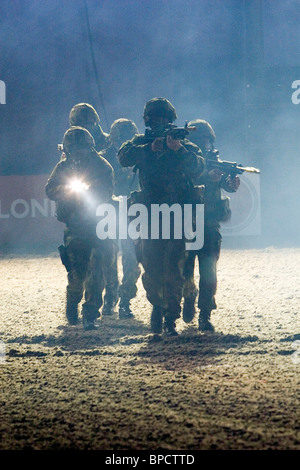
x: 118, y: 389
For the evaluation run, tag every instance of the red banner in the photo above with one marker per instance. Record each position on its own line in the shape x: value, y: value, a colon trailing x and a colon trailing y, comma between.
x: 27, y: 216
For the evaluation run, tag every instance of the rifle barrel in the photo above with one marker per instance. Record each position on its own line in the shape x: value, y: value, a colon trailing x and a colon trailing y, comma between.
x: 229, y: 167
x: 249, y: 169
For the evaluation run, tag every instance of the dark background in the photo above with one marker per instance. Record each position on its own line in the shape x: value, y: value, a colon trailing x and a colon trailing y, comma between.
x: 231, y: 62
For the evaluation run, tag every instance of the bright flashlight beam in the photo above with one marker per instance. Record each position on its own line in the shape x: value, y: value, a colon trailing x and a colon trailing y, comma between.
x: 78, y: 186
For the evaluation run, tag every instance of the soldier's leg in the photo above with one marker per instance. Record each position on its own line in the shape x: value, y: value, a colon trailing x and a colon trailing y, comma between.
x: 175, y: 256
x: 208, y: 258
x: 131, y: 273
x: 151, y: 255
x: 78, y: 253
x: 102, y: 257
x: 111, y: 297
x: 152, y: 278
x: 190, y: 290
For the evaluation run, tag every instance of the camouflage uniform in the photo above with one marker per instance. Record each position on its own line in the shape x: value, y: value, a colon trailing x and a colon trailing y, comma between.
x: 216, y: 210
x: 122, y: 130
x: 85, y: 115
x: 85, y: 256
x: 165, y: 177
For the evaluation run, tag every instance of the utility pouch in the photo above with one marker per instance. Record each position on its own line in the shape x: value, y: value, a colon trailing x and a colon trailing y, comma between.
x: 64, y: 257
x: 223, y: 209
x: 62, y: 212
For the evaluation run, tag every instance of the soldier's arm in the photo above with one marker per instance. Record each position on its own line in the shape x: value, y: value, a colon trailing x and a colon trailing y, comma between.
x: 193, y: 159
x: 216, y: 178
x: 230, y: 184
x: 102, y: 181
x: 131, y: 152
x: 55, y: 187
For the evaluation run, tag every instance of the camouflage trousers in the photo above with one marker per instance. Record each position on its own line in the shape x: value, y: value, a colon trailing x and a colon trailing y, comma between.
x: 127, y: 288
x: 131, y: 270
x: 208, y: 257
x: 163, y: 262
x: 112, y: 279
x: 89, y: 259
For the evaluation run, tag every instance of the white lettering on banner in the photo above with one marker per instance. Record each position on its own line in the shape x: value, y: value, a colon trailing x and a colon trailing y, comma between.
x: 296, y: 94
x: 20, y: 209
x: 24, y: 212
x: 2, y: 92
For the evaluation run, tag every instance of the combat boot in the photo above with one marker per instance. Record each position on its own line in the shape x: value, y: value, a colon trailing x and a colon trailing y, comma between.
x: 170, y: 327
x: 111, y: 299
x: 108, y: 308
x: 89, y: 316
x: 89, y: 324
x: 72, y: 313
x: 189, y: 311
x: 124, y: 309
x: 204, y: 322
x: 156, y: 320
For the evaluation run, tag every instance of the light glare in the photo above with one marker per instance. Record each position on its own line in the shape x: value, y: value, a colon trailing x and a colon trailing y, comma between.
x: 78, y: 186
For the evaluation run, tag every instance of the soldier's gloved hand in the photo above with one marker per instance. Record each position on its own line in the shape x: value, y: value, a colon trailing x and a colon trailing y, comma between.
x: 173, y: 144
x: 157, y: 144
x: 233, y: 183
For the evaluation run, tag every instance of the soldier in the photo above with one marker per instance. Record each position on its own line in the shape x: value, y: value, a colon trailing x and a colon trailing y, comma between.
x: 166, y: 168
x: 216, y: 210
x: 78, y: 184
x: 84, y: 115
x: 122, y: 130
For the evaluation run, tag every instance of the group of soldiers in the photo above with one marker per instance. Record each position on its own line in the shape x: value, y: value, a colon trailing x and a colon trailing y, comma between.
x: 157, y: 167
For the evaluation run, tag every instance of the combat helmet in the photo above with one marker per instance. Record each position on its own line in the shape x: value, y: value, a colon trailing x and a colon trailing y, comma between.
x: 77, y: 137
x: 203, y: 130
x: 83, y: 113
x: 159, y: 107
x: 122, y: 130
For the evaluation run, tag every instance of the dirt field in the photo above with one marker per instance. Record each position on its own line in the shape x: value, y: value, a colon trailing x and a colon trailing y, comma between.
x: 120, y: 388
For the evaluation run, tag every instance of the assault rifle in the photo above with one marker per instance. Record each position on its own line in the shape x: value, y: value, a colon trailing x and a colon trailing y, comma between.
x: 227, y: 168
x: 177, y: 133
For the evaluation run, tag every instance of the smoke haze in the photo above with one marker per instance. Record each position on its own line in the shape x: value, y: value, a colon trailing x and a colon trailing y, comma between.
x: 205, y: 57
